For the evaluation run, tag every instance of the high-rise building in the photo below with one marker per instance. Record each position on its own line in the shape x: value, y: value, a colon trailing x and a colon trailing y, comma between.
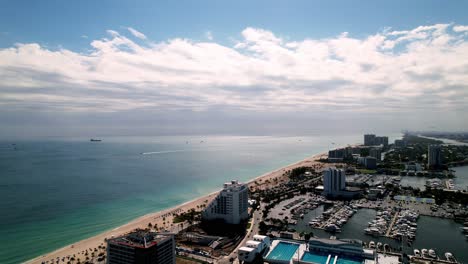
x: 373, y: 140
x: 141, y: 247
x: 369, y: 139
x: 400, y: 143
x: 334, y: 181
x: 376, y: 153
x: 434, y: 155
x: 381, y: 141
x: 231, y: 204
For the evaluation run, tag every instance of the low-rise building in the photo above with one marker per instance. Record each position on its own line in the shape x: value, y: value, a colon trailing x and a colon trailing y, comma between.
x: 374, y: 193
x: 368, y: 162
x: 318, y: 250
x: 253, y: 248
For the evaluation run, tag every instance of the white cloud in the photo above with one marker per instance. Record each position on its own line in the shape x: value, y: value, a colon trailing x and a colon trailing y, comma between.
x: 460, y: 28
x: 136, y: 33
x: 422, y: 69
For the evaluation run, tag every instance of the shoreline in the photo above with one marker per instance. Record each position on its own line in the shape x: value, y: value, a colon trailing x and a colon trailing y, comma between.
x: 159, y: 218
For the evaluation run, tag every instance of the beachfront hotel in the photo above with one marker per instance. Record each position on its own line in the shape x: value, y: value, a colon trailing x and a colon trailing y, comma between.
x: 141, y: 247
x: 231, y: 204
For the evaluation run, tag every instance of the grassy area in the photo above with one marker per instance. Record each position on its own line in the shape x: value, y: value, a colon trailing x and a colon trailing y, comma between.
x: 366, y: 171
x: 188, y: 260
x: 190, y: 216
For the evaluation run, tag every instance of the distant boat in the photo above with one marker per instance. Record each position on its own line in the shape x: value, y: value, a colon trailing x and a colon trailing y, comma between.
x: 95, y: 140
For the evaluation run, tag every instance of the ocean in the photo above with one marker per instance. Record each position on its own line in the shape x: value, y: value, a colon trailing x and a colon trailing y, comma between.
x: 56, y: 191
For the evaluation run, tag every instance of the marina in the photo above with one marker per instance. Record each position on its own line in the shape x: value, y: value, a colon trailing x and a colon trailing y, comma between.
x: 442, y: 235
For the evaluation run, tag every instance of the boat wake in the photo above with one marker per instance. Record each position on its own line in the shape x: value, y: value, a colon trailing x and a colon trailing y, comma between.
x: 163, y: 152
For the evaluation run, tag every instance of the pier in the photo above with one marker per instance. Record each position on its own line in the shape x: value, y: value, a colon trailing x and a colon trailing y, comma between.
x: 395, y: 215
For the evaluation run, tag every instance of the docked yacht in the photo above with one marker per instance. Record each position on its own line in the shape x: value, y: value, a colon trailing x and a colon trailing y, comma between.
x: 374, y: 231
x: 424, y: 252
x: 332, y: 228
x: 432, y: 253
x: 417, y: 253
x: 379, y: 245
x: 449, y: 257
x: 372, y: 244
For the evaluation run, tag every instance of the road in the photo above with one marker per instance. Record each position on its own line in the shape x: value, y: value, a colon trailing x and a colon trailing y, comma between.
x: 256, y: 217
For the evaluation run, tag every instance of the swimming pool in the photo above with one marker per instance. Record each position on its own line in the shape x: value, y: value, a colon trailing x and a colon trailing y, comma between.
x: 318, y: 258
x: 283, y: 251
x: 347, y: 261
x: 314, y: 258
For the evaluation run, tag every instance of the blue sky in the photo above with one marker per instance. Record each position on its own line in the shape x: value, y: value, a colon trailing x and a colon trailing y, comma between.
x: 63, y: 23
x: 268, y: 67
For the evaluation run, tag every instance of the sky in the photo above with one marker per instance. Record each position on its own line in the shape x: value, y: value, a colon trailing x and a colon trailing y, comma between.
x: 97, y: 68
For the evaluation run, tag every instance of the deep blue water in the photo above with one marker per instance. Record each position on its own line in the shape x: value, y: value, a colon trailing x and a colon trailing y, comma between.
x: 55, y: 192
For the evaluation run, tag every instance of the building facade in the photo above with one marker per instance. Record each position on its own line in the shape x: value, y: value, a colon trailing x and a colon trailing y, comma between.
x: 369, y: 139
x: 253, y: 248
x: 373, y: 140
x: 334, y: 181
x: 376, y: 153
x: 231, y: 204
x: 434, y: 156
x: 141, y: 247
x: 381, y: 141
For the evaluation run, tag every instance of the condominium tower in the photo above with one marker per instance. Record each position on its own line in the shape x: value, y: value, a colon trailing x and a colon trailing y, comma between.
x: 231, y: 204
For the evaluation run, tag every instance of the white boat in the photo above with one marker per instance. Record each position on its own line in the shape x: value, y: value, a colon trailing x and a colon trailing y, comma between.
x: 417, y: 253
x: 332, y: 228
x: 449, y: 256
x: 432, y: 253
x: 372, y: 244
x: 379, y: 245
x: 372, y: 231
x: 423, y: 252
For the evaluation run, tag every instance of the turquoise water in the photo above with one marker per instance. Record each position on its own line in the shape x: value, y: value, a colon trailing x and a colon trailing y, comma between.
x: 55, y: 192
x: 314, y: 258
x: 341, y: 260
x: 283, y: 251
x: 322, y: 259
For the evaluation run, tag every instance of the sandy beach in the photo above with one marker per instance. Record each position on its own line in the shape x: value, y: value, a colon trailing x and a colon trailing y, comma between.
x: 163, y: 219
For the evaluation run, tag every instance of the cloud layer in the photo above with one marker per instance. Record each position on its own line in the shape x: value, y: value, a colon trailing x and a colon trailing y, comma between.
x: 421, y: 69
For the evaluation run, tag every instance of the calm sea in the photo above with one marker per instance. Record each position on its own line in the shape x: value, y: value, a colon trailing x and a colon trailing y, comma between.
x: 55, y: 192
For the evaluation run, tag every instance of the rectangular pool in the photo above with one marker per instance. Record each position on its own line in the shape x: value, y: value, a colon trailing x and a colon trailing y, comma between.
x: 341, y: 260
x: 283, y: 251
x: 319, y: 258
x: 315, y: 258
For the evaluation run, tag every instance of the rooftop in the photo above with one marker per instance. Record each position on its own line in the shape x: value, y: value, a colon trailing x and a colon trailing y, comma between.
x: 140, y: 239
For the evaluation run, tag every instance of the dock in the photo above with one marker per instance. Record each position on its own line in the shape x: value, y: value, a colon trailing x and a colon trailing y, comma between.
x: 387, y: 234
